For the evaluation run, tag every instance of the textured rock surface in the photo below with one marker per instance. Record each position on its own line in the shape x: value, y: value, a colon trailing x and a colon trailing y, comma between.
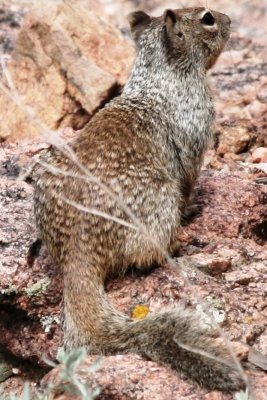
x: 223, y: 253
x: 242, y: 106
x: 222, y: 261
x: 67, y: 62
x: 130, y: 377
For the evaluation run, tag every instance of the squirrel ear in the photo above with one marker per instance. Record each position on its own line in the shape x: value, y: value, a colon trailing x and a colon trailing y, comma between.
x: 138, y: 20
x: 171, y: 21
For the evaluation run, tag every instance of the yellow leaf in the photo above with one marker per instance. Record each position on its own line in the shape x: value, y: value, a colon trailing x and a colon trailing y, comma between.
x: 248, y: 320
x: 140, y: 312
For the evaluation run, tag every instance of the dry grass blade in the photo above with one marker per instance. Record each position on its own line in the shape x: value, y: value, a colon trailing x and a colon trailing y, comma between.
x: 99, y: 213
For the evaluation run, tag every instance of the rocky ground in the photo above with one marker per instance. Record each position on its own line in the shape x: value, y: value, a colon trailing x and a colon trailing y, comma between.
x: 222, y: 264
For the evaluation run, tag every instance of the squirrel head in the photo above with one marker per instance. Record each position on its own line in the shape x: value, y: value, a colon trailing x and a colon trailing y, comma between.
x: 188, y: 35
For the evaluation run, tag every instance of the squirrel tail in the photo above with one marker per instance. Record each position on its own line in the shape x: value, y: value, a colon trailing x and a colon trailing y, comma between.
x: 174, y: 338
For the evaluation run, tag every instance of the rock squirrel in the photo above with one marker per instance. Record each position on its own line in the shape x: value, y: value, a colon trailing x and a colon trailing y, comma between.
x: 146, y: 146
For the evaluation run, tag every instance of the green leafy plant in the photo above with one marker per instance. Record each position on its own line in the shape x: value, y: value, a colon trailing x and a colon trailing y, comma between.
x: 242, y: 396
x: 69, y: 379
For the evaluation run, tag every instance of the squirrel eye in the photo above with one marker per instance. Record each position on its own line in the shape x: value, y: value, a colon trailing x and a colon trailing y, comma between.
x: 208, y: 19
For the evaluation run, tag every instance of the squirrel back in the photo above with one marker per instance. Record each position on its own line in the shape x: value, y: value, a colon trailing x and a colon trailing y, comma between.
x: 117, y: 197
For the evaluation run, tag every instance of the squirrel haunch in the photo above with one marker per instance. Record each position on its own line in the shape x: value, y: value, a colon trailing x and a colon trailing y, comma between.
x: 147, y: 146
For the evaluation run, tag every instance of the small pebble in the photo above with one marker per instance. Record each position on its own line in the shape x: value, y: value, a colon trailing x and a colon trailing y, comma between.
x: 259, y: 155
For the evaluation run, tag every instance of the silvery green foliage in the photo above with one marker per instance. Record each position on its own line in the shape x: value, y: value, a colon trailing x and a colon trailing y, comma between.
x: 69, y: 380
x: 242, y: 396
x: 70, y: 363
